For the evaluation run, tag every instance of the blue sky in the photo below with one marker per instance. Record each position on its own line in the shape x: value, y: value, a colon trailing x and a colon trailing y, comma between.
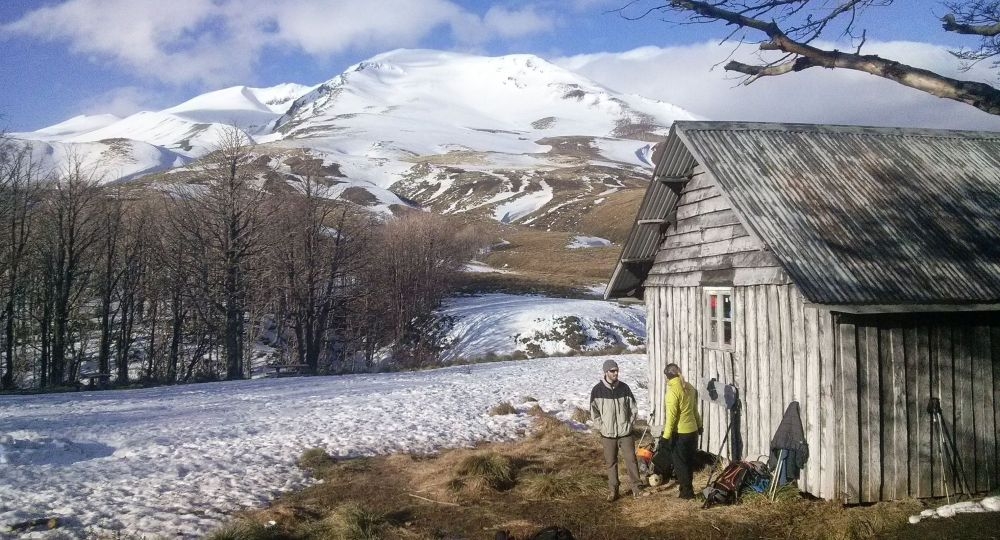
x: 61, y: 58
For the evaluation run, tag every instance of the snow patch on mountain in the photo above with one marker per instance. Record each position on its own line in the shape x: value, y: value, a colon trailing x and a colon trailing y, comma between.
x: 105, y: 161
x: 76, y: 126
x: 252, y: 109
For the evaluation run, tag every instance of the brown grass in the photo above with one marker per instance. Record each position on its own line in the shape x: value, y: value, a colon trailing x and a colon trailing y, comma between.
x: 613, y: 218
x: 580, y: 415
x: 541, y: 258
x: 502, y: 408
x: 554, y: 476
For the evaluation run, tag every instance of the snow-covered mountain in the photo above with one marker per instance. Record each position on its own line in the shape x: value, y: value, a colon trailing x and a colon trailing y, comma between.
x: 513, y: 137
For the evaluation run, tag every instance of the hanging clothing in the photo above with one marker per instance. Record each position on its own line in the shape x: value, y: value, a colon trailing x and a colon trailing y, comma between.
x: 789, y: 444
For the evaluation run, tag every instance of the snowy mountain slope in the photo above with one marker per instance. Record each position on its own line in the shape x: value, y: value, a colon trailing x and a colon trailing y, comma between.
x: 189, y: 131
x: 159, y: 462
x: 78, y: 125
x: 498, y: 104
x: 510, y: 138
x: 252, y: 109
x: 105, y: 161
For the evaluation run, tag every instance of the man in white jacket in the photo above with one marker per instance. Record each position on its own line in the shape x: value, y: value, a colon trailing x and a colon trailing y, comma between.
x: 613, y: 410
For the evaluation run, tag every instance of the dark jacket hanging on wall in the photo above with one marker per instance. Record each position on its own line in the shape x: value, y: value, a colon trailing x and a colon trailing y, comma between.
x: 791, y: 438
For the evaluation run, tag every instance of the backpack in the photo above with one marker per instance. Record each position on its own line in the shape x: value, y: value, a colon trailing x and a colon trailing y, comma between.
x: 548, y: 533
x: 662, y: 462
x: 726, y: 488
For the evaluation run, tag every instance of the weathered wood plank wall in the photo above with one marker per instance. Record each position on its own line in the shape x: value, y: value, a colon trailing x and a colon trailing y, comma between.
x: 782, y: 352
x: 899, y: 362
x: 863, y: 384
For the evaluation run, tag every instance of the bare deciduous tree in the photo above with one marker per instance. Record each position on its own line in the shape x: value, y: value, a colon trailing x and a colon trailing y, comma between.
x: 791, y: 28
x: 224, y: 223
x: 71, y: 235
x: 19, y: 182
x: 323, y: 246
x: 418, y: 259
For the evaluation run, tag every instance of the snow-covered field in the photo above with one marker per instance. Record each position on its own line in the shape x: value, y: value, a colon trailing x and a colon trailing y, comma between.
x: 175, y: 461
x: 504, y: 323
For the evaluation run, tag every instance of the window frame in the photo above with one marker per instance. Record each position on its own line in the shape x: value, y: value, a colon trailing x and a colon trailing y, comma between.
x: 710, y: 321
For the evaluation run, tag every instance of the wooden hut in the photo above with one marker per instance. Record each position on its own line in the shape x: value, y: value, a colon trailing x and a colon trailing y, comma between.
x: 854, y: 270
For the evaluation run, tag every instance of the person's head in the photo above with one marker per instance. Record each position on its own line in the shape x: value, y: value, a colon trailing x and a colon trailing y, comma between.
x: 610, y: 370
x: 671, y: 371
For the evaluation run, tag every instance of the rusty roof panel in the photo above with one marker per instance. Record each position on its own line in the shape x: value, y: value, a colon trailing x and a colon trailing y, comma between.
x: 861, y: 215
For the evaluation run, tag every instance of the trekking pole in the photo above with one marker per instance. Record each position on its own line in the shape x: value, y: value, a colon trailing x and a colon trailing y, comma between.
x: 729, y: 425
x: 773, y: 488
x: 932, y: 407
x: 955, y: 460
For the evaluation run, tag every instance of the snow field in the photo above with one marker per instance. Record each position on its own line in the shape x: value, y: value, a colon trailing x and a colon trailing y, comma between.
x: 176, y: 461
x: 495, y: 323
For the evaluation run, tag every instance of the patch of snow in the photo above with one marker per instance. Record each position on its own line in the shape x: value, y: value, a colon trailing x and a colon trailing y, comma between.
x: 481, y: 267
x: 106, y: 161
x: 588, y: 242
x: 597, y: 290
x: 525, y: 205
x: 78, y: 125
x: 626, y: 151
x: 989, y: 504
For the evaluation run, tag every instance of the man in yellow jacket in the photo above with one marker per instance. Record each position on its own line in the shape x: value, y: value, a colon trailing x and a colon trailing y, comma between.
x: 681, y: 427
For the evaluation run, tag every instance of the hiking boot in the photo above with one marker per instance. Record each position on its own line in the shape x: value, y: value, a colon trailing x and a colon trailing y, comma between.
x: 613, y: 495
x: 685, y: 495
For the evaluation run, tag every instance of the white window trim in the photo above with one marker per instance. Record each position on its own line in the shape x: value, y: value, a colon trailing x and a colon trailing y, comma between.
x: 707, y: 293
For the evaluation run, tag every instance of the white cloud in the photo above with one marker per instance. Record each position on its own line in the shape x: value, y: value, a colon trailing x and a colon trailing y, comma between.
x: 121, y: 102
x: 685, y: 77
x: 321, y: 27
x: 215, y: 42
x: 508, y: 23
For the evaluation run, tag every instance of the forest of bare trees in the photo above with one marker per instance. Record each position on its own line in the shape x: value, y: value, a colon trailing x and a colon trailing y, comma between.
x: 208, y: 278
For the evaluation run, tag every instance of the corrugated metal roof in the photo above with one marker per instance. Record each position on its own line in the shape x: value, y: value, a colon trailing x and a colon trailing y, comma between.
x: 673, y: 161
x: 860, y: 215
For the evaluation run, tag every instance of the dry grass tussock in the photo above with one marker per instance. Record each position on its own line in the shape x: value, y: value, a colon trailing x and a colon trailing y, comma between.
x: 552, y: 476
x: 502, y: 408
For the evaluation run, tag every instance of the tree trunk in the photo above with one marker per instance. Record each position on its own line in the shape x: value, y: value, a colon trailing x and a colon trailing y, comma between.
x: 234, y: 341
x: 8, y: 376
x: 177, y: 316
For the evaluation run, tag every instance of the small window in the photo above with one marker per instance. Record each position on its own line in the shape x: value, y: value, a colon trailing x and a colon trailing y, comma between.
x: 719, y: 327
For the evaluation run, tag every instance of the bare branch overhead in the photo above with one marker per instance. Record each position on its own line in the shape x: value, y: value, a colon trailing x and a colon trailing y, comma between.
x: 791, y: 26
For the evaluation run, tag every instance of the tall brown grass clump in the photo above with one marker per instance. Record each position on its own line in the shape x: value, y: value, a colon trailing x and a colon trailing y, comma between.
x: 352, y: 522
x: 315, y: 459
x: 490, y: 469
x: 562, y: 485
x: 502, y: 408
x: 246, y: 529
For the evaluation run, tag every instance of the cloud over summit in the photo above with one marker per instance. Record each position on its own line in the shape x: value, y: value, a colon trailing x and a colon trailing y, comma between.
x: 217, y: 42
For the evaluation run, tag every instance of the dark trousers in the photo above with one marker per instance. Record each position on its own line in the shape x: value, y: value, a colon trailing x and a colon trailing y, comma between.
x: 627, y: 446
x: 685, y: 445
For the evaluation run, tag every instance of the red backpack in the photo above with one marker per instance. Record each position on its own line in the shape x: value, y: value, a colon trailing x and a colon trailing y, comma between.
x: 726, y: 488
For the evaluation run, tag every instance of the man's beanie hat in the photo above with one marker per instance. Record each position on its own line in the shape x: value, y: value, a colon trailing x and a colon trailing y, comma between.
x: 609, y: 365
